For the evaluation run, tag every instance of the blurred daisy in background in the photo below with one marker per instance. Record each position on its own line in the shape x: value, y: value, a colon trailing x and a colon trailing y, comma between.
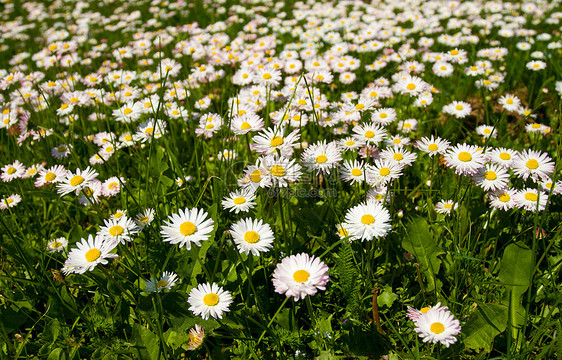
x: 57, y: 245
x: 165, y: 282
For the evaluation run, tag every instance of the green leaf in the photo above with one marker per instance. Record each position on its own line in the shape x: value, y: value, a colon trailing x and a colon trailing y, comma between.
x: 386, y: 297
x: 57, y: 354
x: 488, y: 321
x: 146, y: 342
x: 420, y: 243
x: 515, y: 272
x: 175, y: 339
x: 52, y: 330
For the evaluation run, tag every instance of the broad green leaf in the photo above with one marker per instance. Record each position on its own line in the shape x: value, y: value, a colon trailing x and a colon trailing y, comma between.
x: 420, y: 243
x: 488, y: 321
x: 57, y: 354
x: 515, y: 272
x: 175, y: 339
x: 146, y: 342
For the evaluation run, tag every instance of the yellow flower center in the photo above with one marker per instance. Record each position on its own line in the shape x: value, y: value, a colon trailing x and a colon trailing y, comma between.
x: 504, y: 197
x: 459, y: 107
x: 116, y: 230
x: 187, y: 228
x: 490, y: 175
x: 245, y: 125
x: 301, y: 276
x: 437, y: 328
x: 359, y: 106
x: 350, y: 143
x: 425, y: 309
x: 276, y: 141
x: 11, y: 170
x: 454, y: 52
x: 50, y: 176
x: 398, y: 157
x: 211, y: 299
x: 532, y: 164
x: 278, y: 170
x: 149, y: 130
x: 239, y: 200
x: 411, y: 86
x: 252, y: 237
x: 356, y: 172
x: 367, y: 219
x: 447, y: 206
x: 92, y: 255
x: 531, y: 196
x: 321, y: 159
x: 256, y: 176
x: 465, y: 157
x: 509, y: 101
x: 505, y: 156
x: 118, y: 214
x: 161, y: 283
x: 383, y: 115
x: 385, y: 171
x: 369, y: 134
x: 266, y: 76
x: 76, y: 180
x: 61, y: 148
x: 209, y: 126
x: 127, y: 111
x: 56, y: 244
x: 432, y: 147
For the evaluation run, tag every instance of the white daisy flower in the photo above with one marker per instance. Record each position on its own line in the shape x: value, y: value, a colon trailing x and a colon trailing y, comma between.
x: 57, y: 245
x: 209, y: 300
x: 445, y: 206
x: 502, y: 199
x: 369, y: 133
x: 280, y: 170
x: 118, y: 230
x: 300, y: 275
x: 432, y: 145
x: 252, y: 235
x: 438, y: 326
x: 399, y: 155
x: 368, y: 221
x: 321, y: 157
x: 502, y: 156
x: 239, y: 201
x: 88, y: 253
x: 530, y: 199
x: 12, y: 171
x: 492, y: 177
x: 465, y: 159
x: 144, y: 218
x: 186, y: 227
x: 353, y: 171
x: 9, y: 201
x: 382, y: 172
x: 75, y: 182
x: 166, y: 281
x: 534, y: 164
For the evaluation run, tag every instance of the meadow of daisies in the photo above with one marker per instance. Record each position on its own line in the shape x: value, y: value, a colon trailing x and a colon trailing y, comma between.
x: 265, y: 179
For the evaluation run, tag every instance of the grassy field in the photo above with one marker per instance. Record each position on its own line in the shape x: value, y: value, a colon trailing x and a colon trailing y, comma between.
x: 280, y: 180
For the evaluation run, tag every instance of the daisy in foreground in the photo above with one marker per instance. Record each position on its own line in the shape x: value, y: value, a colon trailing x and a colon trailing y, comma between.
x: 367, y: 221
x: 89, y: 253
x: 437, y: 325
x: 166, y: 281
x: 252, y: 235
x: 300, y: 275
x: 186, y: 227
x: 209, y: 300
